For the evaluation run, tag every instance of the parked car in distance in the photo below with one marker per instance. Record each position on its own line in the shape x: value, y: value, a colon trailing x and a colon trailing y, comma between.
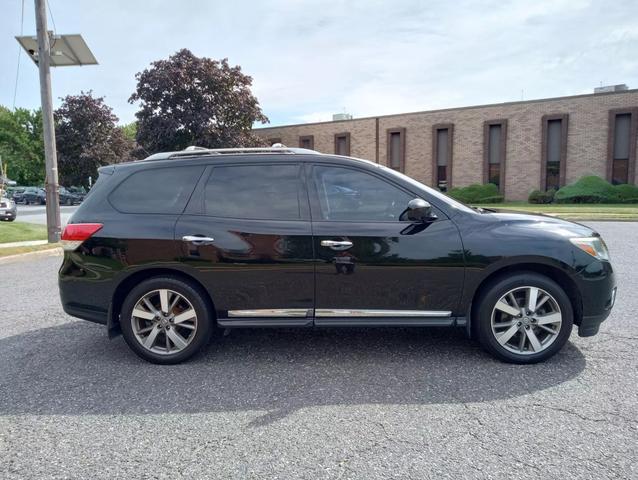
x: 80, y: 192
x: 8, y: 210
x: 171, y: 249
x: 68, y: 198
x: 16, y: 193
x: 34, y: 195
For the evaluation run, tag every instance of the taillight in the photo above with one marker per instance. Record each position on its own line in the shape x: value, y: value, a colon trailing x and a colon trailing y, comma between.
x: 76, y: 233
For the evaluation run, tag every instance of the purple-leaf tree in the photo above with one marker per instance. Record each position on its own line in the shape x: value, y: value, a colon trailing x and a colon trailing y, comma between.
x: 87, y: 137
x: 187, y: 100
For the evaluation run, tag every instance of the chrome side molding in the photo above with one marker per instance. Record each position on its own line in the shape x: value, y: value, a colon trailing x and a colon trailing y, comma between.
x: 270, y: 312
x: 336, y: 312
x: 345, y: 312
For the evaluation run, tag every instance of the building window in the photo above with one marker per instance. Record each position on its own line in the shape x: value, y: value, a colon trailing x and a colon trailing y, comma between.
x: 307, y: 141
x: 396, y: 148
x: 554, y: 151
x: 272, y: 141
x: 494, y: 148
x: 442, y: 140
x: 621, y: 157
x: 342, y: 144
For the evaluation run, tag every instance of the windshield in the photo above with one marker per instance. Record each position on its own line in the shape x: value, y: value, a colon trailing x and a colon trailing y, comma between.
x: 435, y: 193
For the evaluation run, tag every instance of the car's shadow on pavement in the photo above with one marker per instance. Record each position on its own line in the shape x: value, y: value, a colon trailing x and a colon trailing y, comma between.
x: 73, y: 369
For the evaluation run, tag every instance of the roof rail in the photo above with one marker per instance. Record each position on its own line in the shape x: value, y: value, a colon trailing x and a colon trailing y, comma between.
x: 194, y: 151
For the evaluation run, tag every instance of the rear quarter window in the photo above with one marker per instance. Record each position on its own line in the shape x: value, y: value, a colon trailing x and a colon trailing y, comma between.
x: 157, y: 190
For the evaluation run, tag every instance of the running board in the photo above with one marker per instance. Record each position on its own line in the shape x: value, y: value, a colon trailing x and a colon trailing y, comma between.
x: 264, y: 322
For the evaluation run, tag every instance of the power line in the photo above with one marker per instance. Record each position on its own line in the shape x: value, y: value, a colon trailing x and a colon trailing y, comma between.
x: 55, y: 30
x: 15, y: 88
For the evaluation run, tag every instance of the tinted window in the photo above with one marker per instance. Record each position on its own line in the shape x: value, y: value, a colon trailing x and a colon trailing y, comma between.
x: 395, y: 150
x: 494, y: 144
x: 622, y: 135
x: 254, y: 191
x: 554, y: 139
x: 353, y: 195
x: 441, y: 147
x: 158, y: 190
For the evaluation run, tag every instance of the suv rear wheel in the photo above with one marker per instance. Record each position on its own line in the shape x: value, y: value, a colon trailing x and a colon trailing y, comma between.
x: 524, y: 318
x: 166, y: 320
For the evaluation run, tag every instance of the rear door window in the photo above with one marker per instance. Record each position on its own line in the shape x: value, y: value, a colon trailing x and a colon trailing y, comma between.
x: 157, y: 190
x: 261, y: 192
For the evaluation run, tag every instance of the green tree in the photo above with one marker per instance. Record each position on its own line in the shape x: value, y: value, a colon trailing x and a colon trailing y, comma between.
x: 187, y: 100
x: 129, y: 130
x: 87, y: 137
x: 21, y: 145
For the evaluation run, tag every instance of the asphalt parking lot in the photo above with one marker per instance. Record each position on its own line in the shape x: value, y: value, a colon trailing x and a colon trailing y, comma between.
x: 312, y: 404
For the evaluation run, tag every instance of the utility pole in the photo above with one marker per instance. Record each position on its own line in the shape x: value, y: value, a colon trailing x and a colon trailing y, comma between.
x: 50, y: 154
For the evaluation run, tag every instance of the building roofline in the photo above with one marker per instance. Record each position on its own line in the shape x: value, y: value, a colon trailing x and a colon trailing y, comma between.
x: 502, y: 104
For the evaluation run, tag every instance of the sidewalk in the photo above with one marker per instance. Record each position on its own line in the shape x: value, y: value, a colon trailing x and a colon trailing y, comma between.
x: 29, y: 243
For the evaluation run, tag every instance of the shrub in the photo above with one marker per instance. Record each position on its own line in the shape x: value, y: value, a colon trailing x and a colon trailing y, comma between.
x: 477, y: 194
x: 542, y: 197
x: 626, y: 193
x: 589, y: 189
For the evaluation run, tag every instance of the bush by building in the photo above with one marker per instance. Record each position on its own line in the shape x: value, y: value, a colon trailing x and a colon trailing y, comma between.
x: 477, y: 194
x: 627, y: 193
x: 539, y: 197
x: 593, y: 189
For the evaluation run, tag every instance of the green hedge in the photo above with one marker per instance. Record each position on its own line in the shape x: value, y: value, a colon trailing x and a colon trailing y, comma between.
x: 594, y: 189
x: 477, y: 194
x: 539, y: 197
x: 627, y: 193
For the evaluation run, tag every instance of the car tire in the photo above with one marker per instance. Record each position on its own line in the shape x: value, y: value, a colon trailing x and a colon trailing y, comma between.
x: 69, y: 202
x: 511, y: 332
x: 172, y: 342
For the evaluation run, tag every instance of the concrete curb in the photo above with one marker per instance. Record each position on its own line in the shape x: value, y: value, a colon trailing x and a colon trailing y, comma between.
x: 51, y: 252
x: 27, y: 243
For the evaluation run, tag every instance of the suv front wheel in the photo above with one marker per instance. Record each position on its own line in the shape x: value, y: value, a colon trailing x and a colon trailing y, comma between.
x: 524, y: 318
x: 166, y: 320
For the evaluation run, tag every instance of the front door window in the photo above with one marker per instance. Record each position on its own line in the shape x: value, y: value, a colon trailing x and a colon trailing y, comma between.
x: 354, y: 196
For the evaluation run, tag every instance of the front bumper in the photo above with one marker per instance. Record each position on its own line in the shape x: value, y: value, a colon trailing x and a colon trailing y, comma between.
x: 598, y: 289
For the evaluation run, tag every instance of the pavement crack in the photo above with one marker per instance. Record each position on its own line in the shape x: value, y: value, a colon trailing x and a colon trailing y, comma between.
x: 576, y: 413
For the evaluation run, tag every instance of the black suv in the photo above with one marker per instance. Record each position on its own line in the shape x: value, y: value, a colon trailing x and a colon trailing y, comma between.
x: 170, y: 249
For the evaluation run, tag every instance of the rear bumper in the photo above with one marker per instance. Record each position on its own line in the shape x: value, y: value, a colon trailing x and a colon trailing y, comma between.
x: 83, y: 293
x: 8, y: 214
x: 85, y: 312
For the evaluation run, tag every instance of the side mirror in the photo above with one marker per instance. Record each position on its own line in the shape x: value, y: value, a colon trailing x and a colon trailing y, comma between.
x: 419, y: 211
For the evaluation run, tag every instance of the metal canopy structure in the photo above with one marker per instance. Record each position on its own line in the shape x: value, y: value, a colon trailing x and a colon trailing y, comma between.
x: 66, y: 50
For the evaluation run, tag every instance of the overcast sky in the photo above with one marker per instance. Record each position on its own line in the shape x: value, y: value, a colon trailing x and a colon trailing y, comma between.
x: 311, y: 59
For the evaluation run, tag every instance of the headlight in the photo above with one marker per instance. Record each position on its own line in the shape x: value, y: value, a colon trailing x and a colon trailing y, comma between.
x: 595, y: 246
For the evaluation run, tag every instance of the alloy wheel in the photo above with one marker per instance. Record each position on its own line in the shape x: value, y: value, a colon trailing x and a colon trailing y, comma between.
x: 164, y: 321
x: 526, y: 320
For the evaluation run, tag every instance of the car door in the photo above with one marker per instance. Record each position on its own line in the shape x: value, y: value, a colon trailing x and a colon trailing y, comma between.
x: 247, y: 236
x: 373, y: 268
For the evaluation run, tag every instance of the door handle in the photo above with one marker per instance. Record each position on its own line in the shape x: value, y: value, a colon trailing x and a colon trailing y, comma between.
x: 337, y: 244
x: 198, y: 240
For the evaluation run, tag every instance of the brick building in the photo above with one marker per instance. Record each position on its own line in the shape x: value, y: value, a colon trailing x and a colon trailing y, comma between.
x: 519, y: 146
